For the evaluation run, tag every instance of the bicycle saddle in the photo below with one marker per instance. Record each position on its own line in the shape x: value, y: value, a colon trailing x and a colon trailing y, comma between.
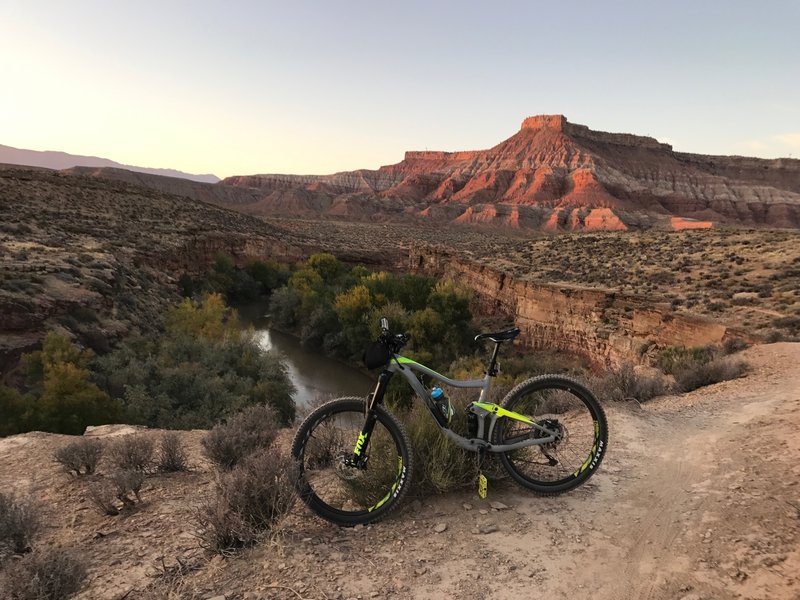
x: 500, y: 336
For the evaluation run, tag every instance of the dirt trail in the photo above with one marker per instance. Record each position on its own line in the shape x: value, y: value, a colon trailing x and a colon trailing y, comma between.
x: 697, y: 498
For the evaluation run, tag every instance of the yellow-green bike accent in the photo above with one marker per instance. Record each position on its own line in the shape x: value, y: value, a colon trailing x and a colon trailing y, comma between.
x: 592, y: 454
x: 397, y: 481
x: 407, y: 361
x: 362, y: 437
x: 502, y: 412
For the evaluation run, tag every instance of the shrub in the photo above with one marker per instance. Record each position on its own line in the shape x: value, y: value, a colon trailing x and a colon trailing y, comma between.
x: 53, y: 574
x: 674, y: 359
x: 132, y: 453
x: 19, y: 522
x: 127, y: 483
x: 251, y: 500
x: 720, y: 369
x: 80, y: 456
x: 733, y: 345
x: 229, y: 443
x: 102, y: 495
x: 439, y: 465
x: 171, y: 454
x: 626, y: 382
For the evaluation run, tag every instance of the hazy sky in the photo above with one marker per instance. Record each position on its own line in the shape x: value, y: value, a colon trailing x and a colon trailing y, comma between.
x: 317, y: 87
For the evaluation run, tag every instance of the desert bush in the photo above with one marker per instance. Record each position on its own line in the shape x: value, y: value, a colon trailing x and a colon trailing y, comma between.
x: 103, y: 496
x: 19, y: 522
x: 675, y: 359
x: 733, y: 345
x: 53, y: 574
x: 626, y: 382
x: 132, y: 452
x: 251, y: 500
x: 439, y: 465
x: 790, y: 324
x: 171, y: 454
x: 126, y: 483
x: 80, y: 456
x: 229, y: 443
x: 714, y: 371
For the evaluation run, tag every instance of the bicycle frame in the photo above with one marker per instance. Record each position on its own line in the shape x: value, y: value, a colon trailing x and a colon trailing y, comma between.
x: 482, y: 409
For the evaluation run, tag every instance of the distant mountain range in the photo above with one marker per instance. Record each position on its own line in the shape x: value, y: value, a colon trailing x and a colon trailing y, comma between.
x: 551, y: 175
x: 61, y: 160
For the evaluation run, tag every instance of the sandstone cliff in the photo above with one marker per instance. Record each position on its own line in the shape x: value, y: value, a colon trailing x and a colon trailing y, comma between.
x: 605, y: 327
x: 552, y: 175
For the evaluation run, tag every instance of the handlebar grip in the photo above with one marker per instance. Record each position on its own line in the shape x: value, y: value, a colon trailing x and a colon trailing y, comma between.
x: 384, y: 324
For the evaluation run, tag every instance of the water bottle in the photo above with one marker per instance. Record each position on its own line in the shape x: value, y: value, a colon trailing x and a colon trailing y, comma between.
x: 442, y: 403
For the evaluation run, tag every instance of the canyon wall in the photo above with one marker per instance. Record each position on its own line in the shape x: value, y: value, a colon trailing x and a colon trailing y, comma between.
x: 604, y: 327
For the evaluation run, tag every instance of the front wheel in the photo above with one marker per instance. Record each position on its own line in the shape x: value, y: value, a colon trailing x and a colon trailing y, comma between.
x: 569, y: 410
x: 344, y: 494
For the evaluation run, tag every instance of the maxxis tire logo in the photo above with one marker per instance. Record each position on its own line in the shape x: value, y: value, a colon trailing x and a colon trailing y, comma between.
x: 597, y: 455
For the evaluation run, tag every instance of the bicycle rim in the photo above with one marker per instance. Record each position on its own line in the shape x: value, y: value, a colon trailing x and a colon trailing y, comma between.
x: 567, y: 408
x: 349, y: 495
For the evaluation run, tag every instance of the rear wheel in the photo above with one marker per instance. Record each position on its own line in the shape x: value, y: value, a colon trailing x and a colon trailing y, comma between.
x: 573, y: 414
x: 343, y: 494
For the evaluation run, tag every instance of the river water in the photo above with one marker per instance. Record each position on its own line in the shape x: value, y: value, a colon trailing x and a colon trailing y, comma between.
x: 314, y: 374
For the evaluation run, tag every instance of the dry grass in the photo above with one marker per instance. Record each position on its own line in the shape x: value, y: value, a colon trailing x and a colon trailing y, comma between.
x: 20, y: 520
x: 53, y: 574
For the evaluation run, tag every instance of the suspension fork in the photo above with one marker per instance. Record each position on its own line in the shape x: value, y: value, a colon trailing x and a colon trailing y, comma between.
x: 359, y: 458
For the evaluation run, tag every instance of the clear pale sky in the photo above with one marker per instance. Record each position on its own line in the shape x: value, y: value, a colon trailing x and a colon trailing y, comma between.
x: 318, y: 87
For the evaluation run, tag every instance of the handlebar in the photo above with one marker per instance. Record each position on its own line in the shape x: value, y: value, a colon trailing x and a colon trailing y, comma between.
x: 395, y: 341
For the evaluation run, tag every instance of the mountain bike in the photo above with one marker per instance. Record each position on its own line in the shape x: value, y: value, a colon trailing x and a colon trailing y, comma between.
x: 355, y: 458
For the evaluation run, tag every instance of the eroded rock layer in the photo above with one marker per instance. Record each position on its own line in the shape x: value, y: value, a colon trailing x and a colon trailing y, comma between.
x: 605, y: 327
x: 552, y: 175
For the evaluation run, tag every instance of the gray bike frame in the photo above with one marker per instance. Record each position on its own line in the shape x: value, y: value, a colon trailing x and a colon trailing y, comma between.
x: 407, y: 367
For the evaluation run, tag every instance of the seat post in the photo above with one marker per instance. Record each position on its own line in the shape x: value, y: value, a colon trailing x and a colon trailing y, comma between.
x: 493, y: 362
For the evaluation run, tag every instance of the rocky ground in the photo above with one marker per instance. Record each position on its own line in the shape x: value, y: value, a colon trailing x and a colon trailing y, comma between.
x: 698, y: 498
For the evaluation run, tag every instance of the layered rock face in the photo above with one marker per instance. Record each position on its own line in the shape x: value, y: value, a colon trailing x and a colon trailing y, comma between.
x: 551, y: 175
x: 606, y: 328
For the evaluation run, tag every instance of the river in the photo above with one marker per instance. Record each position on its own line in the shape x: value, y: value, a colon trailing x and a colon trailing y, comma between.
x: 314, y: 375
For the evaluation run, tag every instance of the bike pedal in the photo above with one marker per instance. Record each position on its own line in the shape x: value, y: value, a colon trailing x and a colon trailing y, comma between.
x: 483, y: 486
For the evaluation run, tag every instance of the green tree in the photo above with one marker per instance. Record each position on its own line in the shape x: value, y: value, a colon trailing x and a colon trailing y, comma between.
x: 66, y: 401
x: 352, y: 308
x: 17, y: 410
x: 209, y: 318
x: 327, y: 266
x: 69, y: 401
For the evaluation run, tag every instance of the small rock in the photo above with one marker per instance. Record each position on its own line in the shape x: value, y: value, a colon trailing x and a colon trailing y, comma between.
x: 483, y: 511
x: 440, y: 527
x: 491, y: 528
x: 421, y: 571
x: 498, y: 505
x: 467, y: 506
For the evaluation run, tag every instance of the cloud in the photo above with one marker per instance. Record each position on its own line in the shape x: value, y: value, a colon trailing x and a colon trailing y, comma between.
x: 788, y: 139
x: 774, y: 146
